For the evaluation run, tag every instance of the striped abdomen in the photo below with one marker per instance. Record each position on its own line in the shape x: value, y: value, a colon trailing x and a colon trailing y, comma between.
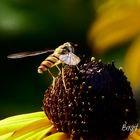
x: 48, y: 63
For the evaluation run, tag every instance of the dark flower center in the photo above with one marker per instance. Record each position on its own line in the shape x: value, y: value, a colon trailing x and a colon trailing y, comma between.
x: 95, y: 102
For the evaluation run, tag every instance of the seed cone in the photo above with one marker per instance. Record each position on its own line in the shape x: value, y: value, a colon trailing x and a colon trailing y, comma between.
x: 95, y: 102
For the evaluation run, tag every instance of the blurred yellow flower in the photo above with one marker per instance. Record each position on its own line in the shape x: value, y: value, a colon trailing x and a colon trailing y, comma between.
x: 135, y: 135
x: 118, y: 21
x: 36, y: 126
x: 132, y: 63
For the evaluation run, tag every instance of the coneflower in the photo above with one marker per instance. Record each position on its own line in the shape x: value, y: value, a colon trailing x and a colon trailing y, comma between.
x: 96, y: 102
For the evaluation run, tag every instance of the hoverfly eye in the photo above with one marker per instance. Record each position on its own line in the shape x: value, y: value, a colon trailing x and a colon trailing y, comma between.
x: 67, y: 44
x: 65, y: 50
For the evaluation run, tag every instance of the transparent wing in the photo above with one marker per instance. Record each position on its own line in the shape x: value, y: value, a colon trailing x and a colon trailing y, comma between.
x: 27, y: 54
x: 64, y: 58
x: 74, y: 59
x: 70, y: 59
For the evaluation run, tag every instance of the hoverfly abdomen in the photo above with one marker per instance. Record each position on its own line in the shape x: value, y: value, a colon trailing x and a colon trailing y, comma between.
x: 42, y: 68
x: 53, y: 58
x: 48, y: 63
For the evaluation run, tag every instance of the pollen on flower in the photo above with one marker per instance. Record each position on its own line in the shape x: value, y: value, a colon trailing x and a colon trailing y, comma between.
x: 89, y: 87
x: 130, y: 97
x: 83, y: 83
x: 75, y: 78
x: 92, y: 58
x: 103, y: 97
x: 95, y: 113
x: 120, y: 68
x: 126, y: 110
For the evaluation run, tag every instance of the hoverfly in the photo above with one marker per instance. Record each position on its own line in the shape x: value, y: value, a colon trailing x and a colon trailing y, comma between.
x: 63, y: 54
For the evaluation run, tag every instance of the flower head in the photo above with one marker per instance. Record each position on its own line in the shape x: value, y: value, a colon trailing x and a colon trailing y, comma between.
x: 96, y: 102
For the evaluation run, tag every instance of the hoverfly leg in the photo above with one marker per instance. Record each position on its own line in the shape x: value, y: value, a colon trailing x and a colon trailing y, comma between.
x: 62, y: 72
x: 53, y: 83
x: 58, y: 69
x: 63, y: 79
x: 51, y: 74
x: 77, y: 68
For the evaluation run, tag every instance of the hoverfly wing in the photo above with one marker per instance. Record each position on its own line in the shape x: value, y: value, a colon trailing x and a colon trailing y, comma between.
x: 70, y: 59
x: 74, y: 59
x: 27, y: 54
x: 64, y: 58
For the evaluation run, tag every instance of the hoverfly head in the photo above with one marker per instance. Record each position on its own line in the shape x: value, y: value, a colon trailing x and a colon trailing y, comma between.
x: 69, y: 47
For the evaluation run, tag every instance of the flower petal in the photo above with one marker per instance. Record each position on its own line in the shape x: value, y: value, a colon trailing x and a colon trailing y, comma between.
x: 114, y: 26
x: 33, y: 127
x: 58, y: 136
x: 132, y: 64
x: 23, y: 117
x: 6, y: 136
x: 27, y: 126
x: 37, y: 134
x: 14, y: 123
x: 135, y: 135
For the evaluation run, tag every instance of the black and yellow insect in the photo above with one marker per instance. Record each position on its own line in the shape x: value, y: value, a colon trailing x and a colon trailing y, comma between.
x: 62, y: 54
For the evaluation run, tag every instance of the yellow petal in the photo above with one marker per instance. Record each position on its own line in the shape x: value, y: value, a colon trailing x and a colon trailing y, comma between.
x: 39, y: 129
x: 43, y: 134
x: 6, y: 136
x: 23, y: 117
x: 135, y: 135
x: 114, y: 4
x: 37, y: 125
x: 58, y: 136
x: 114, y: 26
x: 37, y: 134
x: 132, y: 64
x: 14, y: 123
